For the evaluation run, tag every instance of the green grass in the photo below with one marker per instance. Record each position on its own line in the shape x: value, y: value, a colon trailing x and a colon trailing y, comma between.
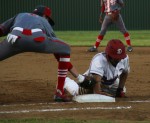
x: 87, y: 38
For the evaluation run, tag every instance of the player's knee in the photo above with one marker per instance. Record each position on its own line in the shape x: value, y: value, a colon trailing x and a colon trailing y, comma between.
x: 71, y: 86
x: 103, y: 32
x: 67, y: 50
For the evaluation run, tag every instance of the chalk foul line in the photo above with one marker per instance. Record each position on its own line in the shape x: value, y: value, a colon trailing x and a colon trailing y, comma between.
x: 55, y: 103
x: 140, y: 101
x: 66, y: 109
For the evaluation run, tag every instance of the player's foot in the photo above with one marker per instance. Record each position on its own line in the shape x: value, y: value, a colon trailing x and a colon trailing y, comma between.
x: 92, y: 49
x: 61, y: 98
x: 129, y: 49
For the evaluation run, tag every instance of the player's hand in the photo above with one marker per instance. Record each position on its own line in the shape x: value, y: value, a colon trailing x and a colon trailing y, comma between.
x: 120, y: 93
x: 12, y: 38
x: 101, y: 19
x: 103, y: 93
x: 80, y: 78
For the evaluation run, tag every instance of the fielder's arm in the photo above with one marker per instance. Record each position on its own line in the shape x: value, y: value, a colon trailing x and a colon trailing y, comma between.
x: 78, y: 76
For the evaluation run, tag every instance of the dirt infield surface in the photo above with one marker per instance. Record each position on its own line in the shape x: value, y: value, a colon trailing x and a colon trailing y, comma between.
x: 28, y: 80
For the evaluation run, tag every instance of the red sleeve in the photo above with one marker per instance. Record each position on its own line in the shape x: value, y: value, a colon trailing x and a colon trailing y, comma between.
x: 103, y: 8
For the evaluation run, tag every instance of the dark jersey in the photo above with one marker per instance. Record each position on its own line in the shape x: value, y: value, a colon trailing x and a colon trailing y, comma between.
x: 28, y: 32
x: 27, y: 21
x: 111, y: 5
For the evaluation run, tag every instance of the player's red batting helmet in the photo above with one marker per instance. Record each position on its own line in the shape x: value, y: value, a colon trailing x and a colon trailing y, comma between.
x: 115, y: 49
x: 44, y: 10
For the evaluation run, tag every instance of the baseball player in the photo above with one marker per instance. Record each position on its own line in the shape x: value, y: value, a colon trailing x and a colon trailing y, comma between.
x: 111, y: 8
x: 32, y: 32
x: 109, y: 69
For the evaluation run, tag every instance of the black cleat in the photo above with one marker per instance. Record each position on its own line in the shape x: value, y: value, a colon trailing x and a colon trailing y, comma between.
x: 129, y: 49
x: 61, y: 98
x: 92, y: 49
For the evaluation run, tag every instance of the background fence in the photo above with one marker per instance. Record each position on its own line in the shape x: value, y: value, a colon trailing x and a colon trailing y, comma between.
x: 80, y: 14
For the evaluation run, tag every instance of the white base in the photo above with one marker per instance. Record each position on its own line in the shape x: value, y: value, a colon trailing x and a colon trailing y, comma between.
x: 93, y: 98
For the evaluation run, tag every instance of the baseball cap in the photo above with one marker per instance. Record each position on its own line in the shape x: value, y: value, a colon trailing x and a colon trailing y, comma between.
x: 115, y: 49
x: 44, y: 10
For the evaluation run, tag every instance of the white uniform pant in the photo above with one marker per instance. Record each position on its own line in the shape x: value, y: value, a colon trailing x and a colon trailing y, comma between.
x: 71, y: 86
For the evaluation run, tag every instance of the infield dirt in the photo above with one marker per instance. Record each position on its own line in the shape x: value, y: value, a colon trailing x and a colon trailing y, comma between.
x: 28, y: 80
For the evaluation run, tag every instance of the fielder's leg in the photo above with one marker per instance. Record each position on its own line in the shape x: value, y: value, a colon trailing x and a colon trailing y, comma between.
x: 63, y: 66
x: 120, y: 24
x: 105, y: 25
x: 128, y: 42
x: 7, y: 50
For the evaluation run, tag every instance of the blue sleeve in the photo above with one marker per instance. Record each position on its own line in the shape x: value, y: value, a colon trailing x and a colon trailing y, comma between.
x: 6, y: 26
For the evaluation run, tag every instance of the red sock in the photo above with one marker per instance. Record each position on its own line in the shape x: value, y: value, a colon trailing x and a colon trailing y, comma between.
x: 63, y: 66
x: 98, y: 40
x: 127, y: 38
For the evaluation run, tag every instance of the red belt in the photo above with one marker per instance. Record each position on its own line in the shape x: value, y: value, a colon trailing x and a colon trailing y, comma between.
x: 109, y: 13
x: 29, y: 32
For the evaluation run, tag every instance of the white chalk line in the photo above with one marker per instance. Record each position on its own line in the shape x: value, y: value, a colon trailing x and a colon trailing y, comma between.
x: 65, y: 109
x: 33, y: 104
x: 140, y: 101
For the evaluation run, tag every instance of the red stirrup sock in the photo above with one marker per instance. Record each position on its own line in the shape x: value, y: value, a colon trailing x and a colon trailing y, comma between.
x: 63, y: 65
x: 127, y: 38
x: 98, y: 41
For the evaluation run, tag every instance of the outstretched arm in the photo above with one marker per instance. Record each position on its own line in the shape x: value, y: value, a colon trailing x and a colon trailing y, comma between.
x: 75, y: 73
x: 1, y: 32
x: 5, y: 26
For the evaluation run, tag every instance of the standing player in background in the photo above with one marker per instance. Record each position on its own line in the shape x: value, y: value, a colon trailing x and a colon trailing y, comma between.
x: 109, y: 70
x: 32, y: 32
x: 111, y: 8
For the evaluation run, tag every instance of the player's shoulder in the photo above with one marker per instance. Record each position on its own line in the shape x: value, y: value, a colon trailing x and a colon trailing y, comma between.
x: 126, y: 58
x: 24, y: 14
x: 100, y: 57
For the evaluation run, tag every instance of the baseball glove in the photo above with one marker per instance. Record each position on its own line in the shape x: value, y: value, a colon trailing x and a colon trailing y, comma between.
x: 88, y: 82
x: 115, y: 15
